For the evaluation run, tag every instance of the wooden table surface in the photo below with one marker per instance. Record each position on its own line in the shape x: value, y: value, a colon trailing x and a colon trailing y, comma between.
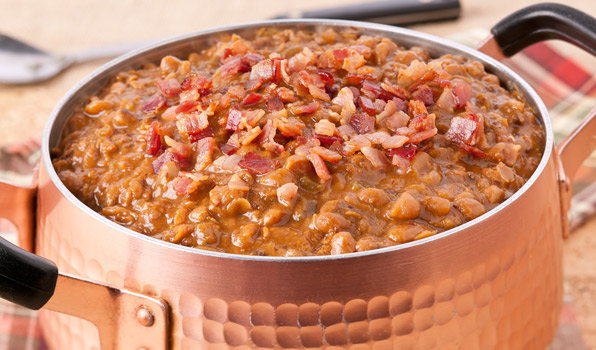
x: 64, y: 26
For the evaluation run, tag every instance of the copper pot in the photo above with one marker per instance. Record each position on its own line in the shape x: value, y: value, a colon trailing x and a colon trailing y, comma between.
x: 494, y: 282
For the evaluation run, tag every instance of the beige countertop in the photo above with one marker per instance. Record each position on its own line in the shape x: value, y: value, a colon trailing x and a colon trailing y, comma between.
x: 64, y: 26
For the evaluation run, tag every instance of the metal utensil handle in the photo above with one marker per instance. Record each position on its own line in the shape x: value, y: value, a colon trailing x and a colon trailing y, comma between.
x: 542, y: 22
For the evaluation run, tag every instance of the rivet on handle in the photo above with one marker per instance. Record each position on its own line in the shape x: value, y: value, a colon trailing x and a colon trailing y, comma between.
x: 145, y: 316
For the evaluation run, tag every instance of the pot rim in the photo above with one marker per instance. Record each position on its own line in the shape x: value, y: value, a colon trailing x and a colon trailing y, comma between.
x: 444, y: 45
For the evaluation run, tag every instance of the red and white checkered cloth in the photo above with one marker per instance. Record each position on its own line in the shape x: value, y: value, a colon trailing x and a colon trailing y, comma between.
x: 567, y: 87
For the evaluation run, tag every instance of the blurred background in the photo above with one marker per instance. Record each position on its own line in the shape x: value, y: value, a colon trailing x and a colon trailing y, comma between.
x: 63, y: 26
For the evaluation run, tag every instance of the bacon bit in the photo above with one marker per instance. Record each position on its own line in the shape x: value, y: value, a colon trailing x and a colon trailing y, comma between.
x: 355, y: 92
x: 208, y: 132
x: 389, y: 109
x: 397, y: 120
x: 290, y: 127
x: 413, y: 73
x: 251, y: 59
x: 197, y: 83
x: 365, y: 51
x: 308, y: 141
x: 252, y: 117
x: 424, y: 94
x: 205, y: 148
x: 341, y: 54
x: 314, y: 84
x: 155, y: 104
x: 367, y: 105
x: 228, y: 149
x: 416, y: 108
x: 406, y: 152
x: 181, y: 185
x: 376, y: 157
x: 228, y: 163
x: 301, y: 60
x: 234, y: 119
x: 236, y: 65
x: 326, y: 154
x: 251, y: 99
x: 354, y: 61
x: 227, y: 52
x: 442, y: 82
x: 462, y: 93
x: 472, y: 150
x: 464, y: 130
x: 285, y: 94
x: 395, y: 91
x: 262, y: 71
x: 345, y: 98
x: 377, y: 138
x: 395, y: 141
x: 325, y: 127
x: 446, y: 100
x: 275, y: 104
x: 250, y: 135
x: 253, y: 84
x: 186, y: 106
x: 328, y: 140
x: 257, y: 164
x: 355, y: 144
x: 192, y: 123
x: 267, y: 138
x: 319, y: 166
x: 401, y: 163
x: 346, y: 131
x: 236, y: 183
x: 326, y: 77
x: 423, y: 135
x: 169, y: 113
x: 287, y: 193
x: 363, y: 123
x: 153, y: 139
x: 169, y: 88
x: 168, y: 156
x: 187, y: 183
x: 306, y: 109
x: 277, y: 69
x: 357, y: 79
x: 374, y: 91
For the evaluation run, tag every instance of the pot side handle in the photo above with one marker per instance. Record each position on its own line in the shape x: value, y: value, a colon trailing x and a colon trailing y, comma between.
x: 542, y: 22
x: 124, y: 319
x: 545, y: 21
x: 17, y: 204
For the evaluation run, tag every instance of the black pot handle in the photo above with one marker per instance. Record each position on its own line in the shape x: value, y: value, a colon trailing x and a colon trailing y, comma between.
x: 26, y: 279
x: 545, y: 21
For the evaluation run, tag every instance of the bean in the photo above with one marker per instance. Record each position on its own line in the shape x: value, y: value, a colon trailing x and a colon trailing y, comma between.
x: 98, y: 106
x: 471, y: 208
x: 330, y: 222
x: 494, y: 194
x: 437, y: 205
x: 373, y: 196
x: 169, y: 64
x: 245, y: 237
x: 406, y: 207
x: 342, y: 243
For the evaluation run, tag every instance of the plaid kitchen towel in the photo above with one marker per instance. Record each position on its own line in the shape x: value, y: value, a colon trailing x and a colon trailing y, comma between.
x: 567, y: 87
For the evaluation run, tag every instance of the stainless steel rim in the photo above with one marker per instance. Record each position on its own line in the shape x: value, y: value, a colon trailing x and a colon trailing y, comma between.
x: 435, y: 45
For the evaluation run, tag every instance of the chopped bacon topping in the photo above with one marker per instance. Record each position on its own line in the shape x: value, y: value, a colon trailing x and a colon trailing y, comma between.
x: 170, y: 155
x: 424, y: 94
x: 328, y: 140
x: 306, y: 109
x: 345, y: 98
x: 228, y: 149
x: 290, y: 127
x: 324, y: 127
x: 267, y: 138
x: 234, y: 119
x: 251, y: 99
x: 182, y: 184
x: 198, y: 83
x: 169, y: 88
x: 326, y: 77
x: 375, y: 156
x: 153, y: 139
x: 262, y: 71
x: 155, y: 104
x: 192, y: 123
x: 285, y: 94
x: 207, y: 132
x: 186, y: 106
x: 395, y: 91
x: 406, y: 152
x: 395, y: 141
x: 326, y: 154
x: 367, y: 105
x: 373, y: 90
x: 236, y: 183
x: 257, y: 164
x: 205, y: 148
x: 320, y: 167
x: 363, y: 123
x: 275, y: 104
x: 466, y: 133
x: 287, y: 193
x: 462, y: 93
x: 187, y: 183
x: 301, y: 60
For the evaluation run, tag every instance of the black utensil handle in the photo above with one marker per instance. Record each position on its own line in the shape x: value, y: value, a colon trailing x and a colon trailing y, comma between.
x: 542, y: 22
x: 395, y: 12
x: 25, y: 278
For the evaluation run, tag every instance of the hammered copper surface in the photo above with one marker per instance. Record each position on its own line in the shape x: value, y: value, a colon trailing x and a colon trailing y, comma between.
x: 494, y: 285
